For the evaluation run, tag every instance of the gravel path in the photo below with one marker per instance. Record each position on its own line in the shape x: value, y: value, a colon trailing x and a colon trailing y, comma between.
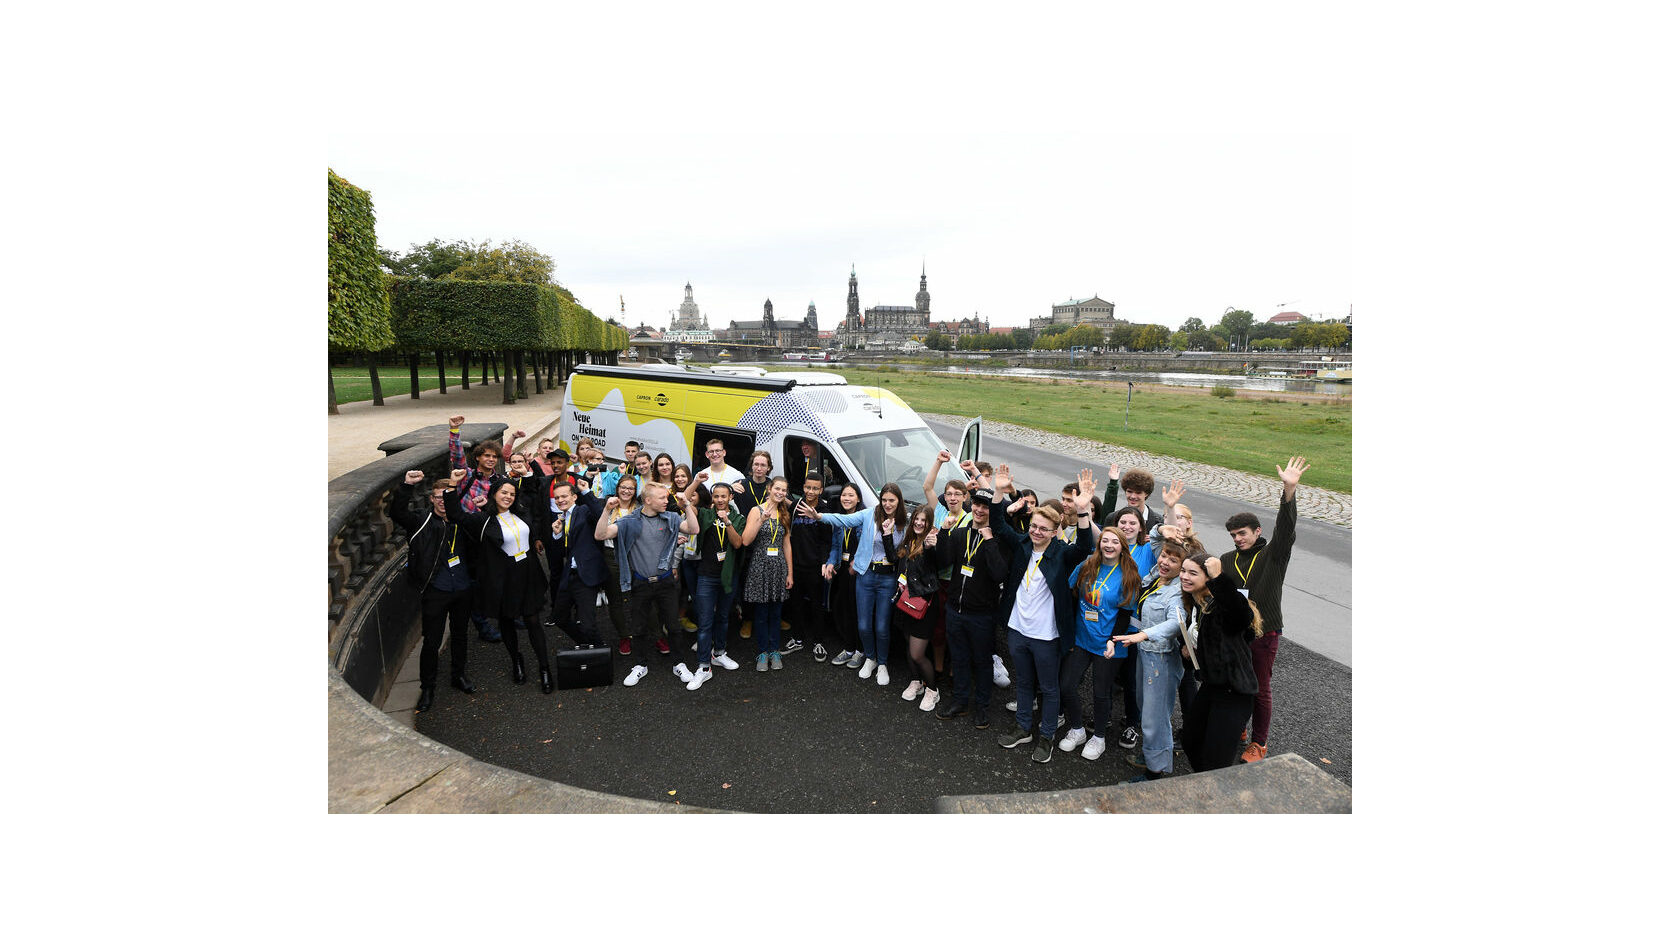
x: 1321, y: 504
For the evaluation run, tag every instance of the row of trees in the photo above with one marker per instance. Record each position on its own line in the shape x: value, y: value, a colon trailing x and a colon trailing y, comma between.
x: 452, y: 297
x: 1235, y: 328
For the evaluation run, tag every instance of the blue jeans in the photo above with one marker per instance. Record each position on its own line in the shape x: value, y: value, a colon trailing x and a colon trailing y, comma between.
x: 767, y: 626
x: 1036, y: 665
x: 1157, y: 683
x: 711, y: 612
x: 970, y: 639
x: 874, y: 607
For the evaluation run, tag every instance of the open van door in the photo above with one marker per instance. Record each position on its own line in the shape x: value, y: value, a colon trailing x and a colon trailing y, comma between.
x: 970, y: 447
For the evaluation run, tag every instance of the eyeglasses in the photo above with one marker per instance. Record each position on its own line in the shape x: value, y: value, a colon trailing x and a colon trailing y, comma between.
x: 1035, y: 527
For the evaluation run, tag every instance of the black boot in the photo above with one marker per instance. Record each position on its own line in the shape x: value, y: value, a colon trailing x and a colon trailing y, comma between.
x: 519, y: 668
x: 547, y: 681
x: 461, y: 682
x: 425, y: 699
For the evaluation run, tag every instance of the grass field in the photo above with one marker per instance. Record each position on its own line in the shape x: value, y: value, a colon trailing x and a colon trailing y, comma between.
x: 351, y: 384
x: 1252, y: 432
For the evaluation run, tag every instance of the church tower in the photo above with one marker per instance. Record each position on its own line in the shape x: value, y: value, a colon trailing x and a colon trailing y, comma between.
x: 924, y: 301
x: 811, y: 316
x: 854, y: 317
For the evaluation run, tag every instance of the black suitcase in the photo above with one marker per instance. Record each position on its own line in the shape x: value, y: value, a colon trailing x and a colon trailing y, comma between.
x: 582, y: 667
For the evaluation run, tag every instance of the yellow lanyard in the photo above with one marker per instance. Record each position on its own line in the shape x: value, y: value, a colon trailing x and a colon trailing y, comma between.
x: 508, y: 525
x: 566, y: 529
x: 974, y: 543
x: 758, y: 498
x: 1154, y: 586
x: 1236, y: 562
x: 848, y: 540
x: 773, y: 529
x: 1094, y: 596
x: 717, y: 520
x: 1030, y: 571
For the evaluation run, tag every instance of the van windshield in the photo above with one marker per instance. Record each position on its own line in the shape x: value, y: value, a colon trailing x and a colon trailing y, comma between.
x: 900, y: 456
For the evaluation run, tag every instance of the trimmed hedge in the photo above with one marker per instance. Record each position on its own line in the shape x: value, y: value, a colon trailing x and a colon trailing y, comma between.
x: 464, y: 315
x: 358, y: 306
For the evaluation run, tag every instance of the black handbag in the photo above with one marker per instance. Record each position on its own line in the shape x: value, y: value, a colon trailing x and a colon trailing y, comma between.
x: 583, y: 667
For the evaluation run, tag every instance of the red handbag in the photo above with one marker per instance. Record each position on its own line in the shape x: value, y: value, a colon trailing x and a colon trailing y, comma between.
x: 915, y: 607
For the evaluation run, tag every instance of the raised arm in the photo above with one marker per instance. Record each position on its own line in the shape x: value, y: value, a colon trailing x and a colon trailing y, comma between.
x: 457, y: 458
x: 605, y: 529
x: 690, y: 525
x: 507, y: 448
x: 1111, y: 496
x: 755, y: 518
x: 933, y: 474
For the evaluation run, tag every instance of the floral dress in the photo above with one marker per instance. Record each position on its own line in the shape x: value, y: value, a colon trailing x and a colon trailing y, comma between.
x: 767, y: 573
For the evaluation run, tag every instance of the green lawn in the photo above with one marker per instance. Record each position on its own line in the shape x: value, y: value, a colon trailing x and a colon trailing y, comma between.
x: 351, y: 384
x: 1251, y: 435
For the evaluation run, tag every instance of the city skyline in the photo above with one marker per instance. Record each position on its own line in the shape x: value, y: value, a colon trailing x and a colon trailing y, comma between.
x: 1165, y: 227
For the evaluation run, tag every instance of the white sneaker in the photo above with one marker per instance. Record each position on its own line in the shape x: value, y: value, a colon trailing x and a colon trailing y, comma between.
x: 1000, y: 676
x: 820, y: 652
x: 1073, y: 739
x: 913, y: 690
x: 722, y: 659
x: 868, y: 667
x: 881, y: 678
x: 696, y: 680
x: 682, y: 673
x: 1093, y: 749
x: 635, y: 675
x: 930, y: 698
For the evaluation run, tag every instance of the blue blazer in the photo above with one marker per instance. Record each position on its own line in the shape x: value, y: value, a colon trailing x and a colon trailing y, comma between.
x: 579, y: 543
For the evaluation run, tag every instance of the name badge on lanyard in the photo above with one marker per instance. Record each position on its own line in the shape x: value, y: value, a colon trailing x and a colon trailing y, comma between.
x: 773, y: 552
x: 722, y: 555
x: 967, y: 571
x: 455, y: 561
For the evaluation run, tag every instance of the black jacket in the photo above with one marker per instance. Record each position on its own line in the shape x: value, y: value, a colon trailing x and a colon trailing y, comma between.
x: 578, y: 544
x: 495, y: 572
x: 1059, y: 561
x: 1223, y: 635
x: 1260, y: 569
x: 978, y: 594
x: 429, y: 537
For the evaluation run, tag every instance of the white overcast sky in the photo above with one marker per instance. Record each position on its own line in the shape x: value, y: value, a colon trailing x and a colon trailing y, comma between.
x: 1165, y: 226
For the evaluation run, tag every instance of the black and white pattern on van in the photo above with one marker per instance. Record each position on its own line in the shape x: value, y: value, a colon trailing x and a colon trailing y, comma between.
x: 776, y: 413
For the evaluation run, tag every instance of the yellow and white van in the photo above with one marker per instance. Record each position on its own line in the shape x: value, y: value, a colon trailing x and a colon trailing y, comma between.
x: 868, y: 435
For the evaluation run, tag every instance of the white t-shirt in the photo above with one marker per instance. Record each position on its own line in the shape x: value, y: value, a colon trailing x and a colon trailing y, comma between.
x: 1034, y: 614
x: 728, y: 477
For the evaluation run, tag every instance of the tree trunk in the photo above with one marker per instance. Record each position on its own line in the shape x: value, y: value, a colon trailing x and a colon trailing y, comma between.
x: 414, y: 377
x: 332, y: 393
x: 536, y: 372
x: 497, y: 370
x: 484, y: 367
x: 466, y: 370
x: 509, y: 395
x: 443, y: 378
x: 519, y: 374
x: 373, y: 374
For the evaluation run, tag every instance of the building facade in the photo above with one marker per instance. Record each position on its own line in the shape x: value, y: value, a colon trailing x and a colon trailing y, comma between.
x: 688, y: 326
x: 883, y: 326
x: 1091, y: 311
x: 768, y: 331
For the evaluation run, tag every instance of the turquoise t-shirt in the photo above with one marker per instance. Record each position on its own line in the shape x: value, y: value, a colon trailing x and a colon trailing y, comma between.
x: 1102, y: 612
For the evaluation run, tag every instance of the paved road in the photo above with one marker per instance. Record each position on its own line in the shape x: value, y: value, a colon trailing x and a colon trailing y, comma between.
x: 1318, y: 595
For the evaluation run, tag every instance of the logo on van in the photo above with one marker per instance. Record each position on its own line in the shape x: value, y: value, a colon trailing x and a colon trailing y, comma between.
x: 661, y: 399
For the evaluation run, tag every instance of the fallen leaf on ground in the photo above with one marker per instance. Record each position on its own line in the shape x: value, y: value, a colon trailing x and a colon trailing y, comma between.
x: 547, y: 741
x: 1325, y: 760
x: 726, y: 784
x: 670, y: 792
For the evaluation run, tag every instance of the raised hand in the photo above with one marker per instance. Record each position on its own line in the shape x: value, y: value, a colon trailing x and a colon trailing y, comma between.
x: 1292, y: 475
x: 932, y: 538
x: 944, y: 457
x: 413, y: 477
x: 456, y: 475
x: 456, y: 421
x: 612, y: 503
x: 519, y: 434
x: 1114, y: 470
x: 1174, y: 492
x: 1002, y: 478
x: 1087, y: 482
x: 1212, y: 566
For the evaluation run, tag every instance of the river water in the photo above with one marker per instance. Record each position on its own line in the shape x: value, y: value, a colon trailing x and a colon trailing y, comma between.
x: 1236, y: 382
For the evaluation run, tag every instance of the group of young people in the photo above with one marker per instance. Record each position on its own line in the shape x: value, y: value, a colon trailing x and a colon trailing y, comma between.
x: 1069, y: 587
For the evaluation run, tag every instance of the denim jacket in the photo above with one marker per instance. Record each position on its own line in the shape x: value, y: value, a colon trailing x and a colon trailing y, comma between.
x: 1162, y: 617
x: 629, y: 529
